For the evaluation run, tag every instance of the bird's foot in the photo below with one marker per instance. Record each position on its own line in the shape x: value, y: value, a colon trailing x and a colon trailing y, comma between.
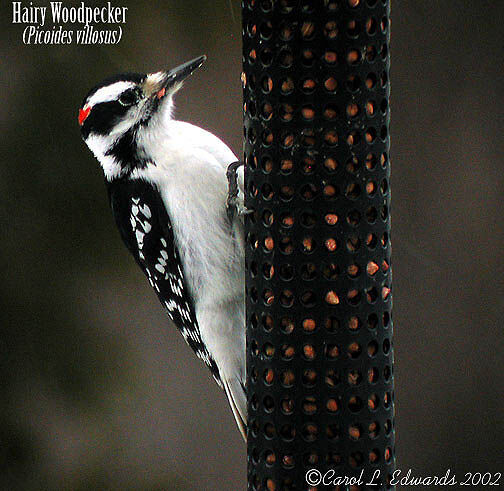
x: 233, y: 205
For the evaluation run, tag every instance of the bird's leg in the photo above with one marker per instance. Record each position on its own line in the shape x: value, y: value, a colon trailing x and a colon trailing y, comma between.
x: 233, y: 206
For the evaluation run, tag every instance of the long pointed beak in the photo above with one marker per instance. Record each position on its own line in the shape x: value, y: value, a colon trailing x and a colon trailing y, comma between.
x: 183, y: 71
x: 161, y: 82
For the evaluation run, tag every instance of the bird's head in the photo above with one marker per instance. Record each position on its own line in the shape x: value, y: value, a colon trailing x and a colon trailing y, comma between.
x: 116, y: 113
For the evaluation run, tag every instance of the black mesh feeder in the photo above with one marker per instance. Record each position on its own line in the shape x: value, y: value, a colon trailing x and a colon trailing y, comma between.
x: 319, y: 325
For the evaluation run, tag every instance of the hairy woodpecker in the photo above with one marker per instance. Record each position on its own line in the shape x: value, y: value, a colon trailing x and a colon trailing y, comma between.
x: 176, y: 194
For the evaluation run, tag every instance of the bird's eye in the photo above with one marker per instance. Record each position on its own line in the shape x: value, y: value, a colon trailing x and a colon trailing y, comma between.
x: 129, y: 97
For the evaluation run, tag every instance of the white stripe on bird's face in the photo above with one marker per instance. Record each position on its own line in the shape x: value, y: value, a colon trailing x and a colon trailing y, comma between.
x: 99, y: 145
x: 109, y: 93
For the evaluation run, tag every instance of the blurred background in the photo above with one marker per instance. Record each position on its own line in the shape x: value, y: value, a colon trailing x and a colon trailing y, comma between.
x: 99, y: 391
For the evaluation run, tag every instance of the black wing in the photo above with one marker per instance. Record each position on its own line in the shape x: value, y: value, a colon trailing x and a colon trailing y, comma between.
x: 146, y: 230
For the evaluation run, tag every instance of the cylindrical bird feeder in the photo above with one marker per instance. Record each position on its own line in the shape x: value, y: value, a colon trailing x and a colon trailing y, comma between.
x: 319, y: 320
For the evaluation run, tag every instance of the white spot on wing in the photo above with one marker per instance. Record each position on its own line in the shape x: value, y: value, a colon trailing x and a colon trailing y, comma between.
x: 146, y: 211
x: 139, y: 237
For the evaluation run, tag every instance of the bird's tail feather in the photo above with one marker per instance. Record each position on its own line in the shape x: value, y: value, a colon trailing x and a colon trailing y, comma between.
x: 237, y: 397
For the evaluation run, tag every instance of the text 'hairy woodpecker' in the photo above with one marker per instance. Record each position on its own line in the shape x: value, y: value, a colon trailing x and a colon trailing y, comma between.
x: 168, y: 190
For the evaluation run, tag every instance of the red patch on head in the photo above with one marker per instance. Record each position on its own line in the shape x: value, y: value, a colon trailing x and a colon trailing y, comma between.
x: 83, y: 114
x: 161, y: 93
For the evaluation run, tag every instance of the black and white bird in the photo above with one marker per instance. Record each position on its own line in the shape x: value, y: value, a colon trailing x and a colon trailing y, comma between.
x: 169, y: 189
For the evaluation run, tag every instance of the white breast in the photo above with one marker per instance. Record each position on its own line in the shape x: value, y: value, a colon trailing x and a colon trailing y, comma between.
x: 190, y: 173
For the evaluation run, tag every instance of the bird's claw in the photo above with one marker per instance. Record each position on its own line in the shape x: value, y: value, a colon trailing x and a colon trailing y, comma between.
x: 233, y: 205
